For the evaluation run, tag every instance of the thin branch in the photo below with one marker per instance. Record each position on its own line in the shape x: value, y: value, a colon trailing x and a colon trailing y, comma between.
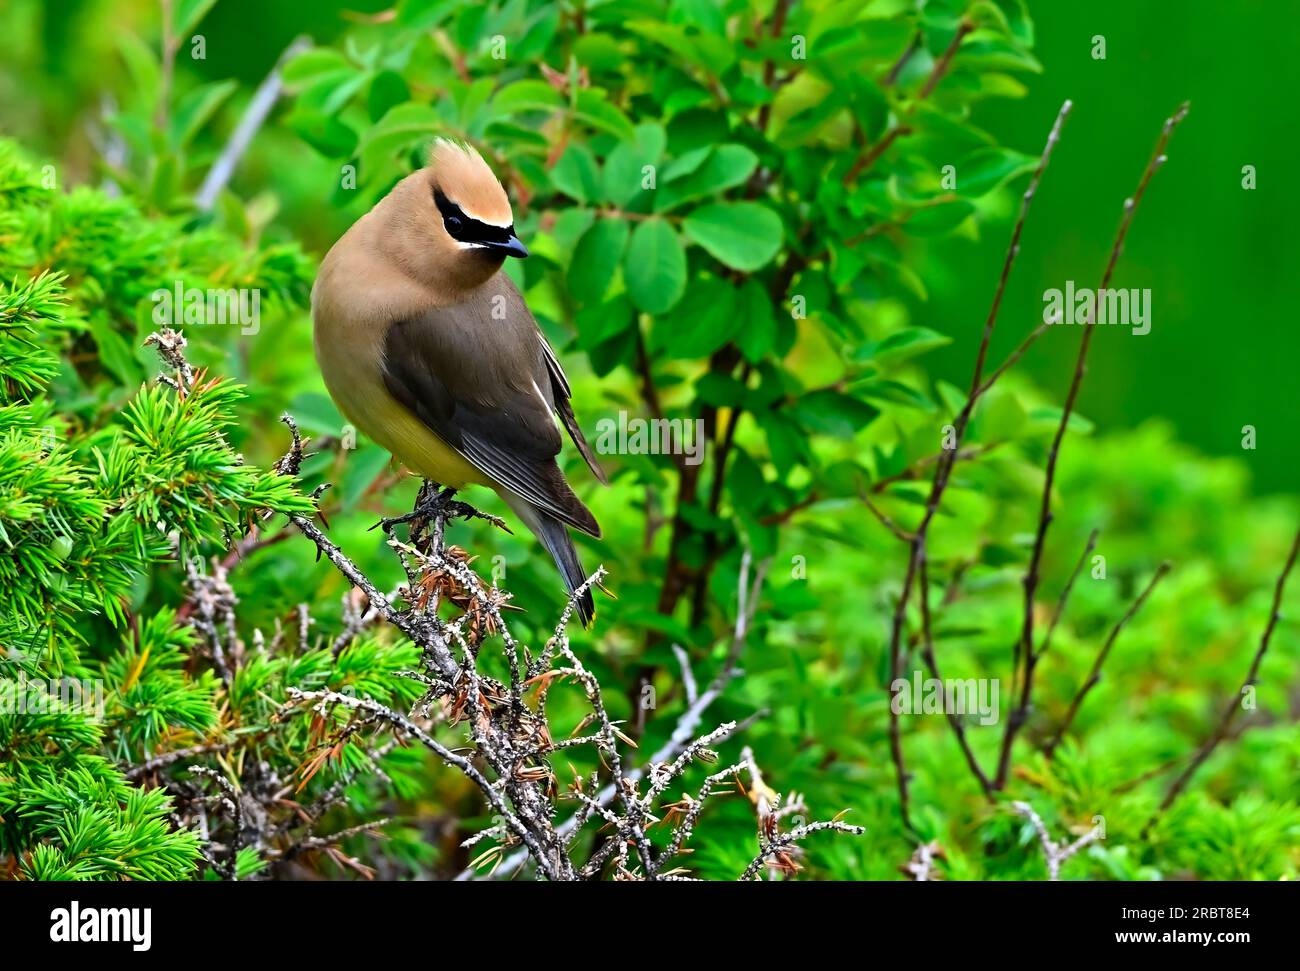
x: 231, y: 797
x: 927, y: 653
x: 1025, y: 652
x: 897, y: 531
x: 1056, y: 854
x: 779, y: 843
x: 943, y: 468
x: 1234, y: 705
x: 1069, y: 586
x: 264, y: 99
x: 937, y: 73
x: 1094, y: 676
x: 945, y: 59
x: 322, y: 700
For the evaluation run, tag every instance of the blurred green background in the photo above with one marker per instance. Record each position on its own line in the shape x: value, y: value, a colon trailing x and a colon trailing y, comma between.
x: 1223, y: 347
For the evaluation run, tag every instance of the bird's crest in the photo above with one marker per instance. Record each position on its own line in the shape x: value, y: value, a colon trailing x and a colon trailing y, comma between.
x: 463, y: 177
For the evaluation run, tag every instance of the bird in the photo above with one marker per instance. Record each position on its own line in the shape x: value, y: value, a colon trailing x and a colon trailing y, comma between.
x: 428, y: 348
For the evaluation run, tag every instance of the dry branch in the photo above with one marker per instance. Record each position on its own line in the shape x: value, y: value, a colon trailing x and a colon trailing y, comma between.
x: 1025, y: 655
x: 943, y: 470
x: 1234, y: 705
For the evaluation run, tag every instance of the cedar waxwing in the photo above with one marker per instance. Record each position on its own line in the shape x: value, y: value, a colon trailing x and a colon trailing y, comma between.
x: 430, y: 350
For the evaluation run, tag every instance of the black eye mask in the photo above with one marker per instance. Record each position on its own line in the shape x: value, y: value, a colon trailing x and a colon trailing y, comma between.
x: 465, y: 229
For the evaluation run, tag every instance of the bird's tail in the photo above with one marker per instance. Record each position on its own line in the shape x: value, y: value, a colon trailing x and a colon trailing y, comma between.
x: 555, y: 537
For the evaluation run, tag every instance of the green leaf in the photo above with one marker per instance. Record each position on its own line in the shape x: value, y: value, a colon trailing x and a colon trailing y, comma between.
x: 671, y: 36
x: 404, y: 126
x: 726, y: 166
x: 197, y: 108
x: 625, y: 166
x: 538, y: 36
x: 142, y: 65
x: 1050, y: 415
x: 189, y: 13
x: 599, y: 52
x: 114, y: 351
x: 879, y: 389
x: 577, y: 175
x: 720, y: 390
x: 526, y: 96
x: 834, y: 413
x: 743, y: 235
x: 986, y: 169
x: 362, y: 466
x: 940, y: 219
x: 594, y: 110
x: 387, y: 91
x: 423, y: 14
x: 608, y: 333
x: 706, y: 319
x: 902, y: 346
x: 596, y: 258
x: 758, y: 335
x: 329, y: 136
x: 686, y: 163
x: 984, y: 50
x: 655, y: 268
x: 310, y: 66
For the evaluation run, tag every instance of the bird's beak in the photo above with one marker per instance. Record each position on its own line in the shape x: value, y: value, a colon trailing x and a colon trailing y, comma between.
x: 511, y: 247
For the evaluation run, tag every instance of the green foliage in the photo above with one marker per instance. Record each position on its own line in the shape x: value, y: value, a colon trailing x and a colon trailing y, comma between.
x: 95, y: 503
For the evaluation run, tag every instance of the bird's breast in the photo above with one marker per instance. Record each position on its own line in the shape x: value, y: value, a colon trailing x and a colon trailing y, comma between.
x: 350, y: 355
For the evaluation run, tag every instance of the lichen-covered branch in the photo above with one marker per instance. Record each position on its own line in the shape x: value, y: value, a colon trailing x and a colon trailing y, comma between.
x: 452, y: 615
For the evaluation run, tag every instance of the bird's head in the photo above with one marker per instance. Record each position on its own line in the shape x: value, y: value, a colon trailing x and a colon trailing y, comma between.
x: 454, y: 219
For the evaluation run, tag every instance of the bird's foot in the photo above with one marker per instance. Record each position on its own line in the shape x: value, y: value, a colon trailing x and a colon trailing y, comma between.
x: 430, y: 504
x: 463, y: 510
x: 436, y: 506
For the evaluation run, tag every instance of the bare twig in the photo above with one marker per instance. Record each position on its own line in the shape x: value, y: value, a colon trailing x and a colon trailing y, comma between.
x: 264, y: 99
x: 902, y: 129
x: 922, y: 867
x: 1056, y: 854
x: 1069, y: 586
x: 1025, y: 654
x: 944, y: 465
x: 777, y: 844
x: 512, y: 741
x: 1234, y: 705
x: 1094, y: 676
x: 232, y: 801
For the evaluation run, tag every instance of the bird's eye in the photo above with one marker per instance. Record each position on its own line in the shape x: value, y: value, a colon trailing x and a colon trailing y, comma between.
x: 453, y: 224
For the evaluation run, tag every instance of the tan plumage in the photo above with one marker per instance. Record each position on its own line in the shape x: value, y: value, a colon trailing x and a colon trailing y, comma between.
x: 431, y: 351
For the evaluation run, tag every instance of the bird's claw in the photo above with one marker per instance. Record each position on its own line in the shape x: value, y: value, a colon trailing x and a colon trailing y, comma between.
x: 432, y: 505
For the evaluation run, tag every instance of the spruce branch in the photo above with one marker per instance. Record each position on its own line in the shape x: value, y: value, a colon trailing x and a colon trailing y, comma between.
x: 512, y: 739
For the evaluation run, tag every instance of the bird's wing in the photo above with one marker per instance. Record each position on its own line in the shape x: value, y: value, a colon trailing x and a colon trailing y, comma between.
x: 476, y: 375
x: 561, y: 393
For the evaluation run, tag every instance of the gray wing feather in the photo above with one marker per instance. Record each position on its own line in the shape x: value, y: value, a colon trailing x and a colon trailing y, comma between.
x: 485, y: 386
x: 561, y: 393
